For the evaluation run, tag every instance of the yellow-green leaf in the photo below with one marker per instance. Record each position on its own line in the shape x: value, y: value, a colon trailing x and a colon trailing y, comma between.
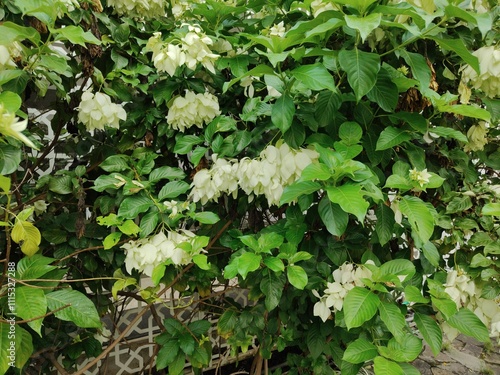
x: 27, y: 235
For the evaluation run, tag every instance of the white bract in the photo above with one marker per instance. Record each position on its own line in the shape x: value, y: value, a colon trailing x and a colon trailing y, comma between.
x: 192, y: 110
x: 139, y: 8
x: 276, y: 167
x: 346, y: 277
x: 97, y: 111
x: 488, y: 79
x: 277, y: 30
x: 477, y: 135
x: 422, y: 177
x: 10, y: 126
x: 147, y: 253
x: 192, y: 49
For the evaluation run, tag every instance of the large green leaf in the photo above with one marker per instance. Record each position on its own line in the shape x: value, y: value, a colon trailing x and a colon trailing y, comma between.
x: 282, y: 112
x: 327, y: 104
x: 391, y: 137
x: 469, y: 324
x: 272, y: 286
x: 167, y: 354
x: 430, y: 331
x: 350, y: 132
x: 419, y: 67
x: 173, y: 189
x: 360, y: 351
x: 404, y: 349
x: 334, y: 218
x: 365, y: 25
x: 12, y: 32
x: 116, y: 163
x: 491, y: 209
x: 466, y: 110
x: 295, y: 190
x: 360, y: 305
x: 393, y: 318
x: 15, y: 346
x: 297, y: 276
x: 350, y: 198
x: 76, y: 35
x: 383, y: 366
x: 315, y: 77
x: 361, y: 68
x: 248, y: 262
x: 131, y: 207
x: 384, y: 226
x: 457, y: 45
x: 385, y: 92
x: 419, y: 216
x: 31, y: 303
x: 74, y: 307
x: 10, y: 157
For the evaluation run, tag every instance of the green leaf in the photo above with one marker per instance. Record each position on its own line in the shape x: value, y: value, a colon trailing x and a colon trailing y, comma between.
x: 419, y: 216
x: 295, y: 190
x: 173, y: 189
x: 187, y: 343
x: 361, y: 68
x: 393, y: 319
x: 177, y: 365
x: 274, y: 264
x: 469, y: 324
x: 398, y: 267
x: 166, y: 173
x: 431, y: 332
x: 111, y: 240
x: 383, y: 366
x: 315, y: 171
x: 431, y: 253
x: 458, y: 46
x: 201, y: 260
x: 466, y: 110
x: 419, y: 67
x: 360, y: 5
x: 34, y: 267
x: 350, y: 198
x: 385, y: 92
x: 459, y: 204
x: 447, y: 307
x: 297, y: 276
x: 149, y: 223
x: 80, y: 310
x: 61, y: 185
x: 11, y: 101
x: 258, y: 71
x: 131, y: 207
x: 315, y: 77
x: 491, y: 209
x: 385, y: 223
x: 282, y: 113
x: 12, y: 32
x: 27, y: 235
x: 449, y: 133
x: 116, y: 163
x: 199, y: 327
x: 5, y: 184
x: 167, y: 354
x: 360, y: 351
x: 334, y: 217
x: 390, y: 137
x: 492, y: 248
x: 206, y: 217
x: 248, y: 262
x: 75, y: 35
x: 31, y: 303
x: 129, y: 228
x: 10, y: 158
x: 185, y: 143
x: 272, y: 286
x: 360, y: 305
x: 350, y: 132
x: 327, y: 104
x: 365, y: 25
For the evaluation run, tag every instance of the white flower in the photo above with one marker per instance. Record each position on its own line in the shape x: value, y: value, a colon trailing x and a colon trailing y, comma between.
x: 320, y: 6
x: 477, y: 135
x: 195, y: 45
x: 139, y: 8
x: 40, y: 206
x: 192, y: 110
x: 247, y: 83
x: 6, y: 61
x: 10, y: 126
x: 488, y: 79
x: 422, y: 177
x: 146, y: 254
x: 278, y: 30
x: 97, y: 111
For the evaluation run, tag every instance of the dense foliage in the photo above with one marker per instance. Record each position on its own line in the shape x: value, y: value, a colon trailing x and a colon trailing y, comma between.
x: 337, y: 159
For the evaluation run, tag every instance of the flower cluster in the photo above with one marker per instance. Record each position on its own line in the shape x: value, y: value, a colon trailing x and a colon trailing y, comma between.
x: 139, y: 8
x: 422, y: 177
x: 192, y: 50
x: 276, y: 167
x: 147, y: 253
x: 465, y: 293
x: 477, y: 135
x: 489, y: 67
x: 96, y: 111
x: 7, y: 55
x: 346, y: 277
x: 192, y: 109
x: 10, y: 126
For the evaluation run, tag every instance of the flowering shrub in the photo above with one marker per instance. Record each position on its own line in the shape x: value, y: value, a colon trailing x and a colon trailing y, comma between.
x: 337, y: 159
